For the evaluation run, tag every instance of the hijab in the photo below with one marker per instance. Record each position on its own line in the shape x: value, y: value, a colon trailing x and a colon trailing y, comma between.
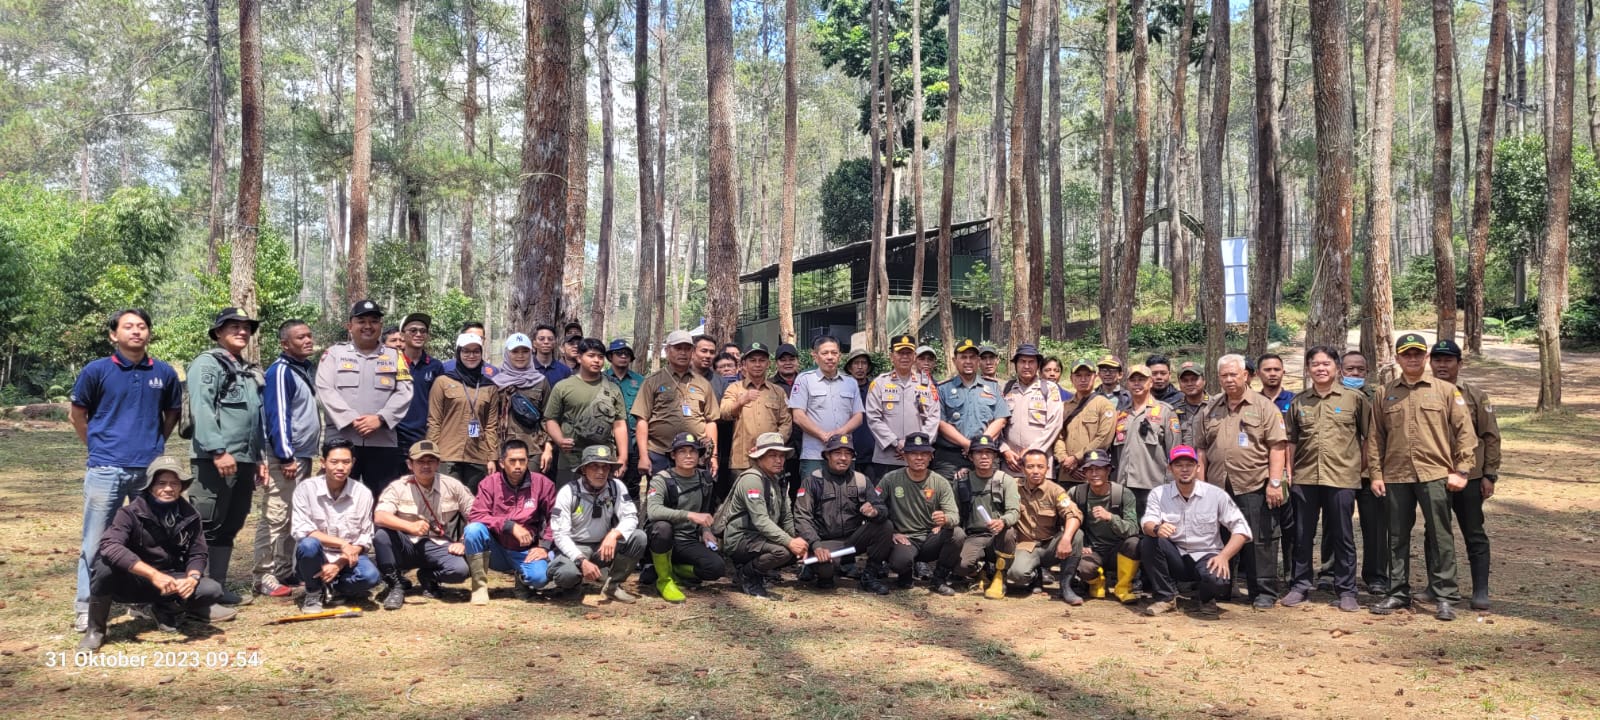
x: 472, y: 377
x: 510, y: 375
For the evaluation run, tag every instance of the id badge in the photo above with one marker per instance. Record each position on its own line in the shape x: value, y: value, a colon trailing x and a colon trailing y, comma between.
x: 473, y: 428
x: 687, y: 411
x: 1244, y: 439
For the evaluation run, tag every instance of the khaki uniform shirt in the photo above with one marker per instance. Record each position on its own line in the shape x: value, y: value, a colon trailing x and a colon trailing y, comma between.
x: 768, y: 413
x: 898, y: 406
x: 1424, y: 432
x: 1045, y: 511
x: 1237, y: 442
x: 351, y: 383
x: 1144, y: 437
x: 441, y: 504
x: 1487, y: 428
x: 1187, y: 415
x: 453, y: 408
x: 1093, y: 428
x: 1036, y: 416
x: 1330, y: 435
x: 674, y: 403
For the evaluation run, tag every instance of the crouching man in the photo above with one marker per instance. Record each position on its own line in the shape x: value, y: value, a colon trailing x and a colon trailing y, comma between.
x: 154, y: 552
x: 678, y: 515
x: 760, y: 534
x: 596, y: 528
x: 1110, y: 528
x: 837, y: 507
x: 1182, y: 540
x: 333, y: 530
x: 419, y: 526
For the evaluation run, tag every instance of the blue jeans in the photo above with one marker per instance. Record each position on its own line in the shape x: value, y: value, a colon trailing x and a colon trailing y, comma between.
x: 477, y: 538
x: 105, y: 489
x: 351, y: 581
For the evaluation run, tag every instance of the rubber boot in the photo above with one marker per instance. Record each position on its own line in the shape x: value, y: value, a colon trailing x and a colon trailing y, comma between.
x: 1127, y: 567
x: 683, y: 573
x: 1480, y: 582
x: 940, y: 585
x: 99, y: 615
x: 1069, y: 568
x: 217, y: 569
x: 997, y: 585
x: 1097, y: 586
x: 664, y: 583
x: 478, y: 567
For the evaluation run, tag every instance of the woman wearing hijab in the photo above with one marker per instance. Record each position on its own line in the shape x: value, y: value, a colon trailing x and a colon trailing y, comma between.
x: 155, y: 553
x: 520, y: 400
x: 461, y: 418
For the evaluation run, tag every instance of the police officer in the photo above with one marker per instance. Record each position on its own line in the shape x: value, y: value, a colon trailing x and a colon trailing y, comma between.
x: 987, y: 498
x: 678, y: 514
x: 1192, y: 399
x: 1110, y: 528
x: 760, y: 535
x: 1329, y: 427
x: 970, y: 406
x: 824, y: 403
x: 229, y: 438
x: 900, y: 403
x: 1243, y: 450
x: 674, y: 400
x: 1110, y: 371
x: 366, y: 390
x: 1088, y: 423
x: 1445, y: 360
x: 836, y: 508
x: 1425, y: 450
x: 1146, y: 432
x: 1036, y: 409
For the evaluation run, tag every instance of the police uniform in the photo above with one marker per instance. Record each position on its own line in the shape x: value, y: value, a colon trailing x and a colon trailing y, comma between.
x: 1036, y: 411
x: 899, y: 405
x: 998, y: 498
x: 352, y: 383
x: 1329, y: 434
x: 968, y: 408
x: 827, y: 513
x: 1236, y: 445
x: 1144, y: 436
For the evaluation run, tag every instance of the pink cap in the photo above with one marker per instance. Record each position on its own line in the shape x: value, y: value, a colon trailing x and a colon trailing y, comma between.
x: 1180, y: 452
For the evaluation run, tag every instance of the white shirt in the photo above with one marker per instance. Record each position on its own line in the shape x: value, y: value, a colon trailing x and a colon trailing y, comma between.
x: 347, y: 517
x: 1198, y: 517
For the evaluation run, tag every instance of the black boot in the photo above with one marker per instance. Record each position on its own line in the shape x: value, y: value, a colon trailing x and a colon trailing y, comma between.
x: 99, y: 615
x: 395, y: 597
x: 753, y: 583
x: 1069, y: 569
x: 940, y: 585
x: 872, y: 579
x: 1480, y: 582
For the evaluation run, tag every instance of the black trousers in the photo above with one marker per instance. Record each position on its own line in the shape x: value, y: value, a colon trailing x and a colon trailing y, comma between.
x: 1164, y: 565
x: 903, y: 557
x: 1258, y: 561
x: 707, y: 563
x: 1374, y: 512
x: 1467, y: 506
x: 223, y: 502
x: 873, y: 541
x: 376, y: 466
x: 1334, y: 508
x: 1101, y: 555
x: 398, y: 553
x: 762, y: 555
x: 130, y: 589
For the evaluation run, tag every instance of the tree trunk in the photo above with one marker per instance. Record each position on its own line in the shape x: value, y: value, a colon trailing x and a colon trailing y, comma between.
x: 646, y: 296
x: 1546, y: 105
x: 947, y: 330
x: 1108, y: 175
x: 361, y: 155
x: 919, y: 262
x: 875, y: 138
x: 1482, y: 193
x: 1444, y: 257
x: 659, y: 320
x: 722, y: 244
x: 891, y: 133
x: 608, y: 182
x: 1058, y: 252
x: 252, y: 153
x: 1212, y: 150
x: 405, y: 68
x: 541, y: 219
x: 1385, y: 35
x: 219, y: 139
x: 1177, y: 184
x: 997, y: 179
x: 791, y: 139
x: 577, y: 175
x: 1021, y: 306
x: 1330, y: 285
x: 469, y: 125
x: 1269, y: 217
x: 1044, y: 17
x: 1558, y: 161
x: 1139, y: 172
x: 1591, y: 52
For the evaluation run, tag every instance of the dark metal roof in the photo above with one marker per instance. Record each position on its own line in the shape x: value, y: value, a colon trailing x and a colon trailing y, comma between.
x: 858, y: 251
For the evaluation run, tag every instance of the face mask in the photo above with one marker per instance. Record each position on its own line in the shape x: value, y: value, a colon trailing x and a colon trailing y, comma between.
x: 1354, y: 383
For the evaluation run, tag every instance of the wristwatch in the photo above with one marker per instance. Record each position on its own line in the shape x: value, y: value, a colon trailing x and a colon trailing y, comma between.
x: 1277, y: 482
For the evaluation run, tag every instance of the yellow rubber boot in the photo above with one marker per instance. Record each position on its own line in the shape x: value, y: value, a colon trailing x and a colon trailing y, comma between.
x: 1127, y: 567
x: 664, y: 583
x: 1097, y: 586
x: 997, y: 585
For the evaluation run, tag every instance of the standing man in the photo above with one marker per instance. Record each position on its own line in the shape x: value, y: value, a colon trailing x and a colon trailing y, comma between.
x: 1037, y: 412
x: 970, y: 407
x: 900, y: 403
x: 619, y: 370
x: 1047, y: 528
x: 927, y: 362
x: 393, y: 338
x: 787, y: 367
x: 333, y: 531
x: 416, y: 331
x: 123, y: 408
x: 1370, y: 505
x: 1243, y: 449
x: 1270, y: 368
x: 586, y: 410
x: 1110, y: 528
x: 544, y: 355
x: 1182, y: 538
x: 679, y: 509
x: 1146, y: 434
x: 1161, y: 387
x: 674, y: 400
x: 1110, y: 369
x: 1425, y: 450
x: 824, y: 403
x: 419, y: 525
x: 595, y: 528
x: 1445, y: 360
x: 294, y: 435
x: 755, y: 406
x: 1089, y: 422
x: 836, y: 508
x: 571, y: 332
x: 509, y: 525
x: 989, y: 361
x: 366, y: 390
x: 1329, y: 428
x: 705, y: 352
x: 760, y: 535
x: 926, y: 518
x: 860, y: 367
x: 229, y: 439
x: 988, y: 530
x: 1192, y: 384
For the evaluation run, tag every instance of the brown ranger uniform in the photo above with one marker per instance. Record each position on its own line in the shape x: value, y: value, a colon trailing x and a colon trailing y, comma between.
x: 455, y: 413
x: 1044, y: 513
x: 1236, y: 445
x: 1091, y: 424
x: 1328, y: 433
x: 1468, y: 504
x: 1424, y: 433
x: 769, y: 413
x: 674, y: 404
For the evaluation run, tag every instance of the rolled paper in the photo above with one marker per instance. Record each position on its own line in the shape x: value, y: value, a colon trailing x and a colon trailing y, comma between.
x: 983, y: 514
x: 841, y: 552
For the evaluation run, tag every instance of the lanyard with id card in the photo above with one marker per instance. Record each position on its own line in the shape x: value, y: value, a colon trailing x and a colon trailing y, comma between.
x: 474, y: 428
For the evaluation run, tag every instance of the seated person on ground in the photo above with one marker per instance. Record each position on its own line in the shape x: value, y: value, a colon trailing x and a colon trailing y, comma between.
x: 595, y: 528
x: 1047, y: 530
x: 333, y: 530
x: 419, y: 527
x: 992, y: 489
x: 760, y: 535
x: 1110, y: 527
x: 510, y: 525
x: 678, y: 514
x: 922, y: 506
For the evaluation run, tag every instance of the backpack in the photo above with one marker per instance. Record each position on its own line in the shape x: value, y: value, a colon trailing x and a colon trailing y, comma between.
x: 230, y: 377
x: 1080, y: 496
x: 672, y: 491
x: 725, y: 514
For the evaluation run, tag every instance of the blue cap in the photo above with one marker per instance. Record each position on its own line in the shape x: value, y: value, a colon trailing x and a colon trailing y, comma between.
x: 618, y: 345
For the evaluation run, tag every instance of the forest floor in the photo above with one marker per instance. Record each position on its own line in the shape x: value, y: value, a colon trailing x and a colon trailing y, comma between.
x: 847, y: 654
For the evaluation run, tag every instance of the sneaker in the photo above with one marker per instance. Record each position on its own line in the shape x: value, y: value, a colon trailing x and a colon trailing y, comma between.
x: 215, y: 614
x: 80, y: 624
x: 311, y: 603
x: 1160, y: 607
x: 1263, y: 602
x: 268, y: 586
x: 1348, y: 603
x: 1295, y: 597
x: 923, y: 571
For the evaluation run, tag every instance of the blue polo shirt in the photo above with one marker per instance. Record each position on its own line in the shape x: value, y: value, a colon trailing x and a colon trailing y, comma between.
x: 414, y: 426
x: 125, y: 401
x: 555, y: 372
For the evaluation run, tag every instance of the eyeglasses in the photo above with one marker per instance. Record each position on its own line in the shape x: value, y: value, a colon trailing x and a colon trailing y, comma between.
x: 415, y: 331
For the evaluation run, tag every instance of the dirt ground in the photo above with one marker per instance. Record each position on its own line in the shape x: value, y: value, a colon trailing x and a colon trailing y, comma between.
x: 846, y: 654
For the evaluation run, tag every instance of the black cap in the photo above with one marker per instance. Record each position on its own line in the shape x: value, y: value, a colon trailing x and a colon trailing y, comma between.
x: 759, y: 347
x: 683, y: 440
x: 1096, y: 458
x: 365, y: 307
x: 787, y: 349
x: 1445, y: 347
x: 902, y: 341
x: 965, y: 345
x: 423, y: 318
x: 230, y: 314
x: 1410, y: 341
x: 839, y: 442
x: 1027, y: 350
x: 917, y: 442
x: 983, y: 442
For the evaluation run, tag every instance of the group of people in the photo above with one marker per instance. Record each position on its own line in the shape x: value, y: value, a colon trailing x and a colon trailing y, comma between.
x: 562, y: 465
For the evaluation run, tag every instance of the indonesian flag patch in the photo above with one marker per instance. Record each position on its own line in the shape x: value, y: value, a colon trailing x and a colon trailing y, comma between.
x: 800, y: 493
x: 927, y: 493
x: 753, y: 494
